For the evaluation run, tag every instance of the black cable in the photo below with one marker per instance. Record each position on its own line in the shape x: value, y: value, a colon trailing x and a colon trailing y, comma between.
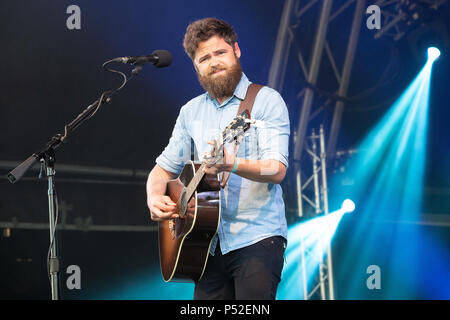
x: 99, y: 102
x: 105, y: 96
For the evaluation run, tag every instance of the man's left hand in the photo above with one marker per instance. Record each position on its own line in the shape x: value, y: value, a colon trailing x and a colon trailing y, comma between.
x: 224, y: 164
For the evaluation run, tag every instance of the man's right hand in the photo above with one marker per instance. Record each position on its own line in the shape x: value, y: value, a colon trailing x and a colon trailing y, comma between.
x: 162, y: 208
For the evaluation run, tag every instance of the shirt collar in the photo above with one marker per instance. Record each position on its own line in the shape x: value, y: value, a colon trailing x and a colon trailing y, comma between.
x: 239, y: 92
x: 241, y: 88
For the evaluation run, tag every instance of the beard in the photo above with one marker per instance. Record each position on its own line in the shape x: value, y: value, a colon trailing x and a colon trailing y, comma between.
x: 222, y: 86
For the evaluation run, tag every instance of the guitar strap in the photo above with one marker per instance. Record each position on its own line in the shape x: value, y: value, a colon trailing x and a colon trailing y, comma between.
x: 246, y: 104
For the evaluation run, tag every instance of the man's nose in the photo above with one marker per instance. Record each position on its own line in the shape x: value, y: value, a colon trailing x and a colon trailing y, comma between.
x: 215, y: 62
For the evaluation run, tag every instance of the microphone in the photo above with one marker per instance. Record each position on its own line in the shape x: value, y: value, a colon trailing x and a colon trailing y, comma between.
x: 159, y: 58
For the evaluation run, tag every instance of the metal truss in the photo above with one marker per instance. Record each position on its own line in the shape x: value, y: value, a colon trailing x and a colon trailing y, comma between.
x: 287, y: 39
x: 400, y: 16
x: 397, y: 15
x: 314, y: 194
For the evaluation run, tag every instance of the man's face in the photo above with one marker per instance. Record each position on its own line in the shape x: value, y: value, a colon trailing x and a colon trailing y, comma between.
x: 218, y: 68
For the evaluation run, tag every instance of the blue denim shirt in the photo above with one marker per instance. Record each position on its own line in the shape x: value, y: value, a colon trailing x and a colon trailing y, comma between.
x: 250, y: 211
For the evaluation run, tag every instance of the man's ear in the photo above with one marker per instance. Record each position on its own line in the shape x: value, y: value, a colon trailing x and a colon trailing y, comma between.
x: 237, y: 50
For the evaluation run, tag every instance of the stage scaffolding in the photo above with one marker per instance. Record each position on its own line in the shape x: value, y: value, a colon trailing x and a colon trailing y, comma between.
x: 286, y: 38
x: 398, y: 17
x: 317, y: 199
x: 287, y: 41
x: 401, y: 16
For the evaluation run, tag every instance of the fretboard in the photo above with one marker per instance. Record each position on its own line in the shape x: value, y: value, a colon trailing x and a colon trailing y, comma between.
x: 192, y: 186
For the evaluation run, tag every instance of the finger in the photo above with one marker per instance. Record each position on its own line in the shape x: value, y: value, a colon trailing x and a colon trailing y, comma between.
x: 155, y: 214
x: 161, y: 205
x: 158, y: 215
x: 211, y: 170
x: 206, y: 164
x: 169, y: 201
x: 164, y: 208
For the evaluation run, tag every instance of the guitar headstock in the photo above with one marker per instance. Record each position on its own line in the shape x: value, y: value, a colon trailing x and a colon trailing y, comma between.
x: 237, y: 127
x: 234, y: 131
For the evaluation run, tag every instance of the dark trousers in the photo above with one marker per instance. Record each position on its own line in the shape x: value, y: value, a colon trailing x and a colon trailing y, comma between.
x: 248, y: 273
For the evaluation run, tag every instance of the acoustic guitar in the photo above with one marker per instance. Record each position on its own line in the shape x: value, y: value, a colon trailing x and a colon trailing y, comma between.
x: 184, y: 243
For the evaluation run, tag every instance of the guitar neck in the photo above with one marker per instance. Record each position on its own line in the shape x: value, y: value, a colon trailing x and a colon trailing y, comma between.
x: 235, y: 129
x: 192, y: 186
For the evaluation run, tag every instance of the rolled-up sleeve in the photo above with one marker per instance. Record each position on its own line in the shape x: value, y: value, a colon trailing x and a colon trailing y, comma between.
x: 273, y: 138
x: 177, y: 152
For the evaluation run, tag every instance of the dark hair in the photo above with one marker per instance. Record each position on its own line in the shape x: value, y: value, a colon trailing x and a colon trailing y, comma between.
x: 203, y: 29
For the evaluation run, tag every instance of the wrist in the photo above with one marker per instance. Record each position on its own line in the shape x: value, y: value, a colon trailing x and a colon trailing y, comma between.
x: 235, y: 165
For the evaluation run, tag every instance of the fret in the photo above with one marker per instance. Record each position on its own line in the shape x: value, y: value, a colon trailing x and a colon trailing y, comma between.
x: 195, y: 181
x: 190, y: 189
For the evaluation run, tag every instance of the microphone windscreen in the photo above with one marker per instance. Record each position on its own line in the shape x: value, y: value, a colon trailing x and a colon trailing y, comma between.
x: 164, y: 58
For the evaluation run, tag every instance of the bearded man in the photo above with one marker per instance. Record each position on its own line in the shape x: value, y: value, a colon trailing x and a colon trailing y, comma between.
x: 246, y: 255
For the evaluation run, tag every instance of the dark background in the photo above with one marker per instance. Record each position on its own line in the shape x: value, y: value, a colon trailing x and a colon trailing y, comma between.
x: 49, y: 74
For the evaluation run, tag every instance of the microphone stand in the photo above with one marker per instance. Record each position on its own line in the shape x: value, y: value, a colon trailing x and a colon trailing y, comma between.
x: 47, y: 158
x: 48, y: 162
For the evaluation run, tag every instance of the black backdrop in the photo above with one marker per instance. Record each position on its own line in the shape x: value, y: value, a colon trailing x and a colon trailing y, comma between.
x: 49, y: 74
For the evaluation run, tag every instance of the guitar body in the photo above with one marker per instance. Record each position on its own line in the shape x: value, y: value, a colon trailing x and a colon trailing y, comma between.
x: 184, y: 243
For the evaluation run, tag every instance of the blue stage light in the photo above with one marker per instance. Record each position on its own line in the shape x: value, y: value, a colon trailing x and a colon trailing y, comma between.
x: 348, y: 206
x: 307, y: 246
x: 433, y: 53
x: 388, y: 179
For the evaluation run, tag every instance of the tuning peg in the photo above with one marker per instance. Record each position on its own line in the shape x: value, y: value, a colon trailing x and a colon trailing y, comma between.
x: 256, y: 123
